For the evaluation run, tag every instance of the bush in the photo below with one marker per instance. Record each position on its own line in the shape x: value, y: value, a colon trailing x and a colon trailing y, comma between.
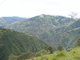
x: 61, y: 54
x: 60, y: 48
x: 50, y: 49
x: 12, y: 57
x: 42, y: 52
x: 78, y: 42
x: 54, y: 58
x: 26, y: 56
x: 77, y: 57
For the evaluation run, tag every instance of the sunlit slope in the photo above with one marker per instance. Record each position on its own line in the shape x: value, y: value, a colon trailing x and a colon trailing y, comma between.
x: 72, y: 54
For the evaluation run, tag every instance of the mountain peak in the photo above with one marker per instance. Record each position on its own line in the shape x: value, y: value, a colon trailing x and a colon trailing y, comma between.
x: 42, y: 15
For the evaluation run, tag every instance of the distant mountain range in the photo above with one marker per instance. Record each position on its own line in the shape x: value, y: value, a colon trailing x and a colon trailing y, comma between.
x: 51, y: 29
x: 4, y: 21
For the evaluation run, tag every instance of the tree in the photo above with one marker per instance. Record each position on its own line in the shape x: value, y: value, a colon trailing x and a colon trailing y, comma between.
x: 78, y: 42
x: 60, y: 48
x: 50, y: 49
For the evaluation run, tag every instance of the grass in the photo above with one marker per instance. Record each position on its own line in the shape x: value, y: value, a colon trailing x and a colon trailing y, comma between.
x: 73, y: 54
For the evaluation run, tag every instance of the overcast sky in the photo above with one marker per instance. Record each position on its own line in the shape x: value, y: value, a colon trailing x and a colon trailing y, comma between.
x: 30, y: 8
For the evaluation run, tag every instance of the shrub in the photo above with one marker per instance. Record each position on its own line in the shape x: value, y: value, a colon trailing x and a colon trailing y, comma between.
x: 60, y: 48
x: 61, y: 54
x: 12, y: 57
x: 42, y: 52
x: 50, y: 49
x: 78, y: 42
x: 77, y: 57
x: 26, y: 56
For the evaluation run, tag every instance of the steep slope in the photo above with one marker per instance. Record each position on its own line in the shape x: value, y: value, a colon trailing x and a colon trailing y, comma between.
x: 12, y: 42
x: 46, y: 27
x: 70, y: 37
x: 41, y: 23
x: 76, y: 24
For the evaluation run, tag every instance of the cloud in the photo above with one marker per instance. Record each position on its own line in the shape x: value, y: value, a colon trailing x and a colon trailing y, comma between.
x: 29, y: 8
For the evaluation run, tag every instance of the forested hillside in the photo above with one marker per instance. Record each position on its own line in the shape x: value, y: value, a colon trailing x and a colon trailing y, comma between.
x: 53, y: 30
x: 12, y: 42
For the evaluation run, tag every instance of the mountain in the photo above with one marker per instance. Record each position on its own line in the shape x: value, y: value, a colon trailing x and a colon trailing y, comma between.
x: 76, y: 24
x: 12, y: 42
x: 13, y: 19
x: 54, y: 30
x: 40, y: 24
x: 51, y: 29
x: 4, y: 21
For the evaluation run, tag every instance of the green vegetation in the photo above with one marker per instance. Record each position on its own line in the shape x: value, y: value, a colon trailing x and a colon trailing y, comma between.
x: 59, y: 54
x: 42, y: 37
x: 42, y: 52
x: 73, y: 54
x: 16, y: 43
x: 54, y: 30
x: 78, y: 42
x: 60, y: 48
x: 70, y: 54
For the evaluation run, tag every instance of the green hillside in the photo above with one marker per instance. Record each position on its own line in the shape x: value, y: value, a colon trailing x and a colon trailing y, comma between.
x: 33, y: 34
x: 16, y: 43
x: 72, y: 54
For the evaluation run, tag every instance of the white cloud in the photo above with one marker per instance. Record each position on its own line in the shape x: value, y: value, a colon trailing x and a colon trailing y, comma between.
x: 29, y: 8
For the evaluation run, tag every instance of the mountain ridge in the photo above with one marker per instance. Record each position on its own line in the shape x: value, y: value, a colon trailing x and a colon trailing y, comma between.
x: 48, y: 28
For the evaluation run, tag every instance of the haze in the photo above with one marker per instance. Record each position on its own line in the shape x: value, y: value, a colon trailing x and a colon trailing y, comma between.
x: 30, y: 8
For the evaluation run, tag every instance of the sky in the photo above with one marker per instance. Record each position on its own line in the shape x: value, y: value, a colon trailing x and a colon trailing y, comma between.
x: 30, y: 8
